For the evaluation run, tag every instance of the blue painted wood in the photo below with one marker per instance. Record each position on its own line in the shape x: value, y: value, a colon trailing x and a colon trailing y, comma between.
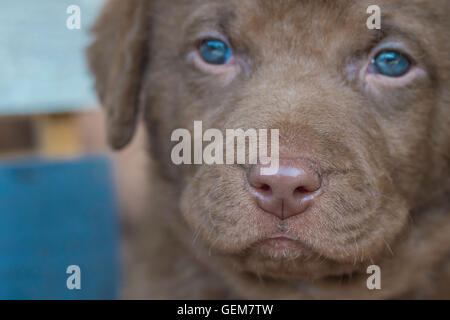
x: 54, y: 214
x: 42, y: 62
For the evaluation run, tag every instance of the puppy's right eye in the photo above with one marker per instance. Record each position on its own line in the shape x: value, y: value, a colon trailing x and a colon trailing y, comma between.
x: 214, y: 57
x: 391, y: 64
x: 215, y: 52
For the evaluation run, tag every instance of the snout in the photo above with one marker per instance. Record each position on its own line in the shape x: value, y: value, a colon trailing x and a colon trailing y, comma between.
x: 288, y: 192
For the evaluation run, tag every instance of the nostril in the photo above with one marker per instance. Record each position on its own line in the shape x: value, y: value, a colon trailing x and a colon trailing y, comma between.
x: 300, y: 190
x: 264, y: 189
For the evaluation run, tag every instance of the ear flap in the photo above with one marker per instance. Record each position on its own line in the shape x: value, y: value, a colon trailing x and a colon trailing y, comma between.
x: 118, y: 58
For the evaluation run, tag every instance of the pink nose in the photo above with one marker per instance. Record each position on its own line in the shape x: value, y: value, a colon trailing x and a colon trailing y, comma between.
x: 287, y: 193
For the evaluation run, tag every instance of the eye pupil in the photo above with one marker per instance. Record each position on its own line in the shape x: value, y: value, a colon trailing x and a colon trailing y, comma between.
x: 215, y: 52
x: 391, y: 64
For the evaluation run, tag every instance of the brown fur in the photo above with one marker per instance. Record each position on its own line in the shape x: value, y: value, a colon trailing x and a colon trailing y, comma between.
x: 383, y: 148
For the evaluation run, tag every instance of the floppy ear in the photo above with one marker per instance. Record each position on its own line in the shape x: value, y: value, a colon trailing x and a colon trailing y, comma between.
x: 118, y: 59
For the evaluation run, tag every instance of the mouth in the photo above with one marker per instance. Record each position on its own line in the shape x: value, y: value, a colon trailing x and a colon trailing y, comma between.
x: 281, y: 246
x: 281, y: 236
x: 283, y: 257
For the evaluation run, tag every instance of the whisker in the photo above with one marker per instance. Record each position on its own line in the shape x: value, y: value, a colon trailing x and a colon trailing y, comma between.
x: 388, y: 246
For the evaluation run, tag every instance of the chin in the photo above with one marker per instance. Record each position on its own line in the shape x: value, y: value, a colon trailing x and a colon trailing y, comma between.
x: 282, y: 257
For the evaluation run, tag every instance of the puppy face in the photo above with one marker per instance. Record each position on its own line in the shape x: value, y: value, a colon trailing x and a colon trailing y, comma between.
x: 371, y: 135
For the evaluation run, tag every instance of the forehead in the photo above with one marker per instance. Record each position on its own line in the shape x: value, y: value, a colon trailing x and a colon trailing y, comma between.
x: 303, y: 16
x: 304, y: 26
x: 264, y: 15
x: 306, y: 17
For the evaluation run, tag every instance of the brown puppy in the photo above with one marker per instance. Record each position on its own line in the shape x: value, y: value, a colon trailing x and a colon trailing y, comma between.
x: 371, y: 141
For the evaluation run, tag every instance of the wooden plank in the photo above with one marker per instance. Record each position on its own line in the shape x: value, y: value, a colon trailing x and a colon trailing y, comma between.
x: 58, y: 135
x: 17, y: 136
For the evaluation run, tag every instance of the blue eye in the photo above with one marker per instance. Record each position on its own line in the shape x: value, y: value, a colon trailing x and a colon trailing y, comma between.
x: 391, y: 64
x: 215, y: 52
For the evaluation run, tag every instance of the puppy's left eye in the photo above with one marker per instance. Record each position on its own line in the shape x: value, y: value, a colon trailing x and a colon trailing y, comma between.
x: 391, y: 64
x: 215, y: 52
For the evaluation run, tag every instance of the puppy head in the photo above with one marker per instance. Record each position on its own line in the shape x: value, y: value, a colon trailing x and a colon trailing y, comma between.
x: 373, y: 137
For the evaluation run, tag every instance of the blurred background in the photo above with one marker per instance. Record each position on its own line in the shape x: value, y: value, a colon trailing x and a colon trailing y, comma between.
x: 65, y: 199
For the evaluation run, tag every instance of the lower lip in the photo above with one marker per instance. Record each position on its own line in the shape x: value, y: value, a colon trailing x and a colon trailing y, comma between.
x: 281, y: 242
x: 281, y: 236
x: 282, y: 245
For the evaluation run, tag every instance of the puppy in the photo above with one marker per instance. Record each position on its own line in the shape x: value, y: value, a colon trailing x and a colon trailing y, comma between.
x: 364, y: 145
